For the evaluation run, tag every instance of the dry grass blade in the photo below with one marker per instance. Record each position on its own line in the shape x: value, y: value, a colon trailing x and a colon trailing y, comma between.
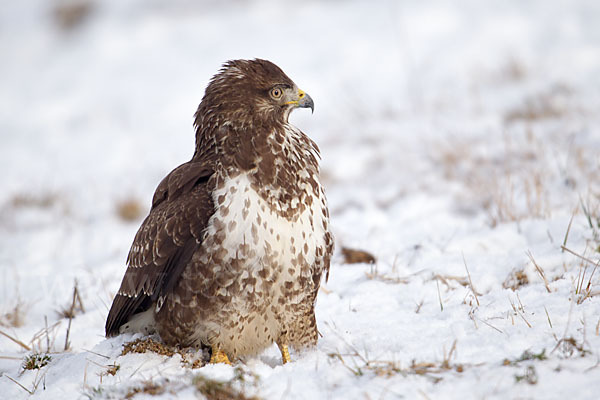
x: 568, y: 230
x: 439, y: 295
x: 540, y: 271
x: 96, y: 354
x: 374, y: 274
x: 470, y: 281
x: 10, y: 358
x: 419, y: 305
x: 446, y: 362
x: 548, y: 315
x: 488, y: 324
x: 578, y: 255
x: 519, y: 311
x: 584, y: 292
x: 71, y: 314
x: 17, y: 341
x: 47, y: 336
x: 446, y: 279
x: 18, y: 383
x: 588, y: 287
x: 48, y: 332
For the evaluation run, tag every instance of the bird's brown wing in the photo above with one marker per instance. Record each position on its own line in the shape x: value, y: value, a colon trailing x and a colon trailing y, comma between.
x: 165, y: 243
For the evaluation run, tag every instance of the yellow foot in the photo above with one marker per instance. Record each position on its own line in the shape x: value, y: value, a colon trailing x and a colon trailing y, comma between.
x: 285, y: 353
x: 219, y: 356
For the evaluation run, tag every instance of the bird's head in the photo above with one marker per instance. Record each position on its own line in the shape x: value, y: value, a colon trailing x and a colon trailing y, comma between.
x: 249, y: 92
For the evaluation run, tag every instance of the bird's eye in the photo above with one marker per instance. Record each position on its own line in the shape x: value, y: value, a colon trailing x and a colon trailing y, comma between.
x: 276, y: 93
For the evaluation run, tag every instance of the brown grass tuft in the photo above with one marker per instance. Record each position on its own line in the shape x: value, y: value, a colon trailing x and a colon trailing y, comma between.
x: 544, y: 105
x: 45, y: 200
x: 146, y: 345
x: 71, y: 14
x: 354, y: 256
x: 568, y: 347
x: 515, y: 280
x: 74, y: 307
x: 526, y: 356
x: 35, y: 361
x: 14, y: 317
x: 148, y: 388
x: 218, y: 390
x: 129, y: 210
x: 193, y: 361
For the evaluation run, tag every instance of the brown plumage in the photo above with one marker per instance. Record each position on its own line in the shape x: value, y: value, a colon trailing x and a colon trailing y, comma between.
x: 237, y: 239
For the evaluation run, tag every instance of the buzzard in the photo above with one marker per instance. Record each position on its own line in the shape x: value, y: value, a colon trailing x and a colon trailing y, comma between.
x: 232, y: 252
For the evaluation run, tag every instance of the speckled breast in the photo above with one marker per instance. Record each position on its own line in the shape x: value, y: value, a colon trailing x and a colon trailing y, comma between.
x: 262, y: 259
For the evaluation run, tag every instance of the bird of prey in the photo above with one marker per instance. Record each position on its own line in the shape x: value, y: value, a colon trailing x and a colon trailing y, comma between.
x: 232, y: 252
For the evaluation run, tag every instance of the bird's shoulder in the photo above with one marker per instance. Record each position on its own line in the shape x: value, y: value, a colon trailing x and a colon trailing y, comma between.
x: 181, y: 181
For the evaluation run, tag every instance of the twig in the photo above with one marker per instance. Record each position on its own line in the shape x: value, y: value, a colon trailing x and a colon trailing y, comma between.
x: 17, y: 341
x: 470, y: 281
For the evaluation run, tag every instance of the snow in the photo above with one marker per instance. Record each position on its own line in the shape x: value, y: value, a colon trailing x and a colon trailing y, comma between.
x: 458, y: 139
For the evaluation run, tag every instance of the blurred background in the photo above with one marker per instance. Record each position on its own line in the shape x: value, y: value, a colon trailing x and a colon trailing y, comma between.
x: 427, y: 112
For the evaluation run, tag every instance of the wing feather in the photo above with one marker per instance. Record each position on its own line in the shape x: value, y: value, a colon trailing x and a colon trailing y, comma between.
x: 165, y: 242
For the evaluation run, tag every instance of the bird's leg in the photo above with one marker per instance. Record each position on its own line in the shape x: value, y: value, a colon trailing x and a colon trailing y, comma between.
x: 219, y: 356
x: 285, y: 353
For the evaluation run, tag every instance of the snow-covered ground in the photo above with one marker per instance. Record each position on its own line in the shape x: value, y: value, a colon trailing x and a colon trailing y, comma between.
x: 461, y: 148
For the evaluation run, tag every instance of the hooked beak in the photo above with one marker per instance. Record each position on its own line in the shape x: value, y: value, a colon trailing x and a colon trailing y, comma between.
x: 303, y: 100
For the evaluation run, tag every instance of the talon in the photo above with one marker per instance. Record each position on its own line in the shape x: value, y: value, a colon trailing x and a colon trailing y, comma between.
x: 285, y: 353
x: 218, y: 356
